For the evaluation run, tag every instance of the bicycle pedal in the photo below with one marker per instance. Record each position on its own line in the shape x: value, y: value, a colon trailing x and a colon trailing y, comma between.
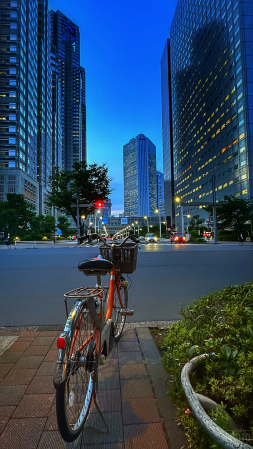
x: 126, y: 312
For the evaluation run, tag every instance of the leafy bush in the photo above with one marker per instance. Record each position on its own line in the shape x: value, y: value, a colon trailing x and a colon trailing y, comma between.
x: 194, y: 239
x: 221, y: 322
x: 31, y: 237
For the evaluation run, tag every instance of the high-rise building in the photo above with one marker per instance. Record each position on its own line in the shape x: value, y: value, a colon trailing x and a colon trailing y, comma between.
x: 169, y: 205
x: 44, y: 105
x: 140, y: 185
x: 160, y: 192
x: 66, y: 41
x: 25, y: 101
x: 211, y: 96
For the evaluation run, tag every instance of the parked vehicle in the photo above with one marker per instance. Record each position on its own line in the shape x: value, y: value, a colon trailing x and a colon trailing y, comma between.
x: 177, y: 237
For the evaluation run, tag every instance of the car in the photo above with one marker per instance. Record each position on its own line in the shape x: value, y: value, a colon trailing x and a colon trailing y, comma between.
x: 177, y: 237
x: 150, y: 238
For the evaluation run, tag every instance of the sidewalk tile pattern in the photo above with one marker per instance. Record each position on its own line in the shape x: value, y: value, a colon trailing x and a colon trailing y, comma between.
x: 125, y: 397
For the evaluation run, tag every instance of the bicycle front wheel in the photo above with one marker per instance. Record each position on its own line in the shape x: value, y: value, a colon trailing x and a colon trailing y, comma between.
x: 73, y: 399
x: 118, y: 319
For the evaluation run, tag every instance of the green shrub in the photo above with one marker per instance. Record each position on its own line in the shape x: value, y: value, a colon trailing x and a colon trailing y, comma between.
x: 194, y: 239
x: 221, y: 322
x: 31, y: 237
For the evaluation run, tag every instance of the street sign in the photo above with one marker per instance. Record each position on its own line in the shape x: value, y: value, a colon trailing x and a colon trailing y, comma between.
x: 168, y: 229
x: 59, y: 231
x: 104, y: 221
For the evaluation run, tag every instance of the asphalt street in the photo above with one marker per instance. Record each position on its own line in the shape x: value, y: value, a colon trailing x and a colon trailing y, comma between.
x: 167, y: 277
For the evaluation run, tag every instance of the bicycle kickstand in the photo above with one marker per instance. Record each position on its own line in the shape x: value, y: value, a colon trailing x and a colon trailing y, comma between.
x: 101, y: 416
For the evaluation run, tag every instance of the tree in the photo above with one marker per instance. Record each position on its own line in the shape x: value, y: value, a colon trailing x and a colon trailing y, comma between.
x: 195, y: 223
x: 90, y: 182
x: 63, y: 225
x: 232, y: 212
x: 15, y: 214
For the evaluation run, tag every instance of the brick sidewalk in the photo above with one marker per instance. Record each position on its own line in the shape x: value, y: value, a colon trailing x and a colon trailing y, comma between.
x: 27, y: 398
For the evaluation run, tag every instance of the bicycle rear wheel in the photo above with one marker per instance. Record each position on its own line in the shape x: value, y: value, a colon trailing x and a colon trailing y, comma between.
x: 73, y: 399
x: 118, y: 319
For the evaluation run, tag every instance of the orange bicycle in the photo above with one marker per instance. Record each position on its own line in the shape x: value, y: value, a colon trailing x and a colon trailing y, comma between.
x: 95, y: 321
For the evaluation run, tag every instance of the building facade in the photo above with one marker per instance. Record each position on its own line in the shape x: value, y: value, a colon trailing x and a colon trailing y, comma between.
x: 160, y: 192
x: 169, y: 205
x: 211, y: 96
x: 140, y: 185
x: 20, y: 166
x: 66, y: 41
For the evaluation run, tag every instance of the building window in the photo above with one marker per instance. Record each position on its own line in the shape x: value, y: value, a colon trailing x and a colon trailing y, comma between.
x: 11, y: 164
x: 12, y: 117
x: 12, y: 140
x: 12, y: 129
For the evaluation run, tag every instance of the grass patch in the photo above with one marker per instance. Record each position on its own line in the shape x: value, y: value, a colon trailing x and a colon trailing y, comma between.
x: 220, y: 323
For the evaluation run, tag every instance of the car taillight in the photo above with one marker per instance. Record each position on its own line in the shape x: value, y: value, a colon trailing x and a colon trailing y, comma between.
x: 61, y: 343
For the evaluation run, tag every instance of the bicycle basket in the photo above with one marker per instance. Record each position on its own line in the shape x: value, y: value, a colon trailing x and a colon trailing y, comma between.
x: 124, y: 258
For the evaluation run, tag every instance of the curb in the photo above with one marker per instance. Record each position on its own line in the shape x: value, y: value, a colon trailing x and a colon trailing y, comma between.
x: 160, y: 380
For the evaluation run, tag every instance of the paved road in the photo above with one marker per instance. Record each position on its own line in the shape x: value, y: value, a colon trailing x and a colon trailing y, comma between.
x: 167, y: 277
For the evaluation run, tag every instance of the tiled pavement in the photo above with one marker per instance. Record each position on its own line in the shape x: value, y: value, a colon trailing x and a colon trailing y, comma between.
x: 125, y: 396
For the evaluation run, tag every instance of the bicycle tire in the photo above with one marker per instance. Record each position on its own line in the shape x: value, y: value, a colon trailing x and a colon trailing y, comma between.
x: 119, y: 320
x: 74, y: 398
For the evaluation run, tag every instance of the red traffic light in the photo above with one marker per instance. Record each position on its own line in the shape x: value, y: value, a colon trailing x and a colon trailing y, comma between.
x: 99, y: 204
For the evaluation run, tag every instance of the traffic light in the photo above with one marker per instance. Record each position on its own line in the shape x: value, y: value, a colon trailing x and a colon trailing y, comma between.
x: 99, y: 204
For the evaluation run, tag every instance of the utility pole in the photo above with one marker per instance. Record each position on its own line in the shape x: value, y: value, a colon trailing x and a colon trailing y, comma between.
x: 182, y: 217
x: 214, y: 210
x: 77, y: 217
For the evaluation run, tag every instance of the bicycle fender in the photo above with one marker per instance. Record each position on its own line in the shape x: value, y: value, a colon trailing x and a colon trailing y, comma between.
x: 60, y: 375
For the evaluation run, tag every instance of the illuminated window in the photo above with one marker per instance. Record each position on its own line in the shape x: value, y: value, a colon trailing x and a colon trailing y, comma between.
x: 241, y: 136
x: 220, y: 187
x: 235, y: 141
x: 227, y: 122
x: 231, y: 182
x: 223, y: 149
x: 242, y: 149
x: 227, y: 97
x: 225, y: 185
x: 244, y: 177
x: 245, y: 191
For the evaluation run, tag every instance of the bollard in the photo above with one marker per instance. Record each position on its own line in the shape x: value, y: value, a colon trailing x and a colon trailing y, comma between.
x: 34, y: 243
x: 15, y: 244
x: 52, y: 243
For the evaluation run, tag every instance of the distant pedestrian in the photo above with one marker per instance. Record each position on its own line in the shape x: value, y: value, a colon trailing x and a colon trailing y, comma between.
x: 241, y: 239
x: 8, y: 242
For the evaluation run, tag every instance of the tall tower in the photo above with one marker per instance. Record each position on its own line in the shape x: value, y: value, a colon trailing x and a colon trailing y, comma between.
x: 19, y: 100
x: 66, y: 40
x: 140, y: 184
x: 169, y: 205
x: 211, y: 96
x: 44, y: 109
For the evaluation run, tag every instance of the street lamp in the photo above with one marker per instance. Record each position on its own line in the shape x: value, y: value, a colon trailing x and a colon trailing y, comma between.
x: 146, y: 218
x: 134, y: 227
x: 138, y: 227
x: 160, y: 227
x: 177, y: 199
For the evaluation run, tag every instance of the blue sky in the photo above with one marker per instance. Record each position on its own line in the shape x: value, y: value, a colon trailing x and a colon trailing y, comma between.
x: 121, y: 47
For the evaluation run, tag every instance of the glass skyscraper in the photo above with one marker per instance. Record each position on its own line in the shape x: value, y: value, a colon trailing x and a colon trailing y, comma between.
x: 160, y: 192
x: 140, y: 184
x: 25, y: 124
x: 169, y: 205
x: 211, y: 97
x: 66, y: 41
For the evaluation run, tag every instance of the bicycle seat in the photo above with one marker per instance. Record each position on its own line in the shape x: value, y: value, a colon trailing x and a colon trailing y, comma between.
x: 96, y: 266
